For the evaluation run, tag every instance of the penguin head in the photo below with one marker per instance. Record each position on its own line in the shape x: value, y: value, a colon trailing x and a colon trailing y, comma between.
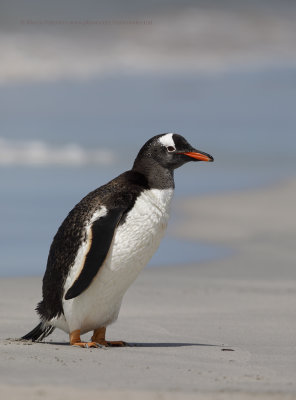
x: 171, y: 151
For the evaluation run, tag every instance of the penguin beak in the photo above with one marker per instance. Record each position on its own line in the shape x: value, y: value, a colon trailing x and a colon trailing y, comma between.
x: 198, y: 155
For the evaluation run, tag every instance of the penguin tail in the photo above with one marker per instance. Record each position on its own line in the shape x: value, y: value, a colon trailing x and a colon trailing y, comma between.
x: 39, y: 332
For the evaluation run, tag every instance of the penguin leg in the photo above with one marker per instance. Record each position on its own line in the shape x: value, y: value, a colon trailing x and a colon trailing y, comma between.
x: 99, y: 338
x: 76, y: 341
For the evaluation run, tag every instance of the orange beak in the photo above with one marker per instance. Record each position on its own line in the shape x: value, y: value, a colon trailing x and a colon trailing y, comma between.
x: 199, y: 156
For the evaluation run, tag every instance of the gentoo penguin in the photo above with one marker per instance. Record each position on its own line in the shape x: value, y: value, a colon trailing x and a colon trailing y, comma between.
x: 106, y: 240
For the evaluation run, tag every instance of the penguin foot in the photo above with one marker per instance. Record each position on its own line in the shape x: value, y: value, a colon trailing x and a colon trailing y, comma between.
x: 86, y: 345
x: 76, y: 341
x: 113, y: 343
x: 99, y: 338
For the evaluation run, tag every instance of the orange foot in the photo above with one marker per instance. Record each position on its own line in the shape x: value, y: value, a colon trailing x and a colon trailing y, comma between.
x: 99, y: 338
x: 76, y: 341
x: 108, y: 343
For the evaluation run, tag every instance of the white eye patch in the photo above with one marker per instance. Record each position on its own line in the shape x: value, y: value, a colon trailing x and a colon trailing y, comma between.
x: 167, y: 140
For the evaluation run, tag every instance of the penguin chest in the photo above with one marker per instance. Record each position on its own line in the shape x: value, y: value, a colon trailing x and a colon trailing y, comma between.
x: 138, y: 238
x: 135, y: 242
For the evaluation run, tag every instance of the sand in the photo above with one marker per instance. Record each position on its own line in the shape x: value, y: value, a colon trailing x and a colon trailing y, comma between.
x: 224, y: 329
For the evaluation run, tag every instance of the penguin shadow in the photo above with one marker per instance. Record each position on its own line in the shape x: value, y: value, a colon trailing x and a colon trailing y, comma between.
x: 143, y: 344
x: 169, y: 344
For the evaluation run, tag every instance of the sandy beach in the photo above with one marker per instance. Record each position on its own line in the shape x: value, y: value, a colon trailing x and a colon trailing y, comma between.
x: 217, y: 330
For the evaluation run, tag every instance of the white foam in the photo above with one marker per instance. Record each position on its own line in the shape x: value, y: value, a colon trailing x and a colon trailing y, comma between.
x: 36, y: 153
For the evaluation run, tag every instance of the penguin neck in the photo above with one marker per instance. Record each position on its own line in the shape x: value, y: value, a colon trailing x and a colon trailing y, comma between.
x: 157, y: 176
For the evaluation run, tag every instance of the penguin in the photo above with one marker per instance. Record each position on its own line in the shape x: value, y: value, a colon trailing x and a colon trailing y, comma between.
x: 106, y: 240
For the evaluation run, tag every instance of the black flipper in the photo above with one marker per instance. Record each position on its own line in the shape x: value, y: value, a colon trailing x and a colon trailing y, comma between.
x: 102, y: 232
x: 39, y: 332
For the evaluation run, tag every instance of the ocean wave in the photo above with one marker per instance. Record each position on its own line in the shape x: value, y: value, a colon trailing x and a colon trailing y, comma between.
x: 36, y: 153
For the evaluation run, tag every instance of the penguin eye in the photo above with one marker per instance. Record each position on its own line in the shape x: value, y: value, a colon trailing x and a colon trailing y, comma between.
x: 171, y: 148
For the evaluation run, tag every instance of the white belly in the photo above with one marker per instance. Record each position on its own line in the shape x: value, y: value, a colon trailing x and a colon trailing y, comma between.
x: 135, y: 241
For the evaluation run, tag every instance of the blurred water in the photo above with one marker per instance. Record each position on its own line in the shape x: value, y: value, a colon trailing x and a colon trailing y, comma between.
x: 245, y: 119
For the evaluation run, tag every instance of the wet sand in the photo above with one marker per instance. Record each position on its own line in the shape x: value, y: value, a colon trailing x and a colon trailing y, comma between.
x: 216, y: 330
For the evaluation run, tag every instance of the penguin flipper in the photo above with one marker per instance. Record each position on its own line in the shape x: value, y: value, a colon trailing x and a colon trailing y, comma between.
x: 102, y: 233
